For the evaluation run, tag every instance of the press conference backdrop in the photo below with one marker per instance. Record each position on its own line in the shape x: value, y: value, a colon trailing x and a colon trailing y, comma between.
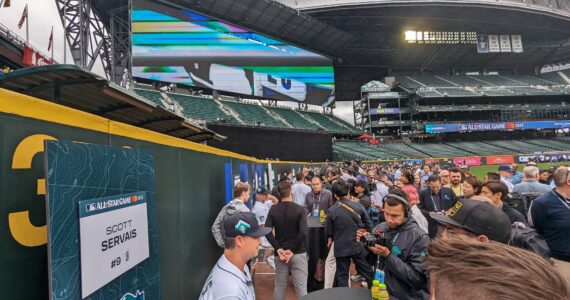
x: 193, y: 182
x: 176, y: 45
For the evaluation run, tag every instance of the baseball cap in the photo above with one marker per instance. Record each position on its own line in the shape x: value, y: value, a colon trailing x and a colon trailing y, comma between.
x: 478, y: 217
x: 262, y: 190
x: 505, y: 168
x: 361, y: 183
x: 244, y: 224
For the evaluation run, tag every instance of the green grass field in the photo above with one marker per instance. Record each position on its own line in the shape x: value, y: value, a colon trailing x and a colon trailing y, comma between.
x: 481, y: 171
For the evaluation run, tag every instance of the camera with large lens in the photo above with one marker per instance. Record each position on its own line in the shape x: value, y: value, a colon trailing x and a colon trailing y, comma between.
x: 369, y: 240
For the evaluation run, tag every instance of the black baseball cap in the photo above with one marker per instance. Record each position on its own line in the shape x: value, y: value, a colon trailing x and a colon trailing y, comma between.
x: 479, y: 217
x: 244, y: 224
x: 262, y: 190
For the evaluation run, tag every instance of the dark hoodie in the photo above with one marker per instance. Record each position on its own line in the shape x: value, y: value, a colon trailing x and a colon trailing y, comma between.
x: 403, y: 268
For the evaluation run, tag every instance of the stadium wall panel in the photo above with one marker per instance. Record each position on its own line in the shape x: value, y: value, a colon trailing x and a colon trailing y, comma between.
x: 265, y: 143
x: 192, y: 183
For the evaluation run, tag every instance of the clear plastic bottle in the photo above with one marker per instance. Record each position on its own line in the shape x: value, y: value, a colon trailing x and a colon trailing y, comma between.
x: 375, y: 290
x: 383, y: 292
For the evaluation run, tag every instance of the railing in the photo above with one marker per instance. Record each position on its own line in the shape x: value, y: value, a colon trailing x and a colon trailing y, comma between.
x: 18, y: 41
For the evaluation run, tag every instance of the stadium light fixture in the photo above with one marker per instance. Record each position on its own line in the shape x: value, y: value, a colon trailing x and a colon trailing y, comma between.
x: 410, y: 36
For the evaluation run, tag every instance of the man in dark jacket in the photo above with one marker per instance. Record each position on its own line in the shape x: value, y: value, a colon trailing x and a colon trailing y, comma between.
x: 343, y: 221
x: 436, y: 199
x: 404, y: 251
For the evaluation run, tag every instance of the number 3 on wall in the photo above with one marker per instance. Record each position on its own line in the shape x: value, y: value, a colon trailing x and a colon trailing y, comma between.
x: 23, y: 231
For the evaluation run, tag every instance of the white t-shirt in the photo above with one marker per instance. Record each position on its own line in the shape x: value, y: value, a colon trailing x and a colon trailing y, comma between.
x: 299, y: 191
x: 260, y: 210
x: 227, y: 282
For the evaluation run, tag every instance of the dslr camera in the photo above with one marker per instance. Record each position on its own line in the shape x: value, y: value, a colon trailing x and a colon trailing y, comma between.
x: 377, y: 238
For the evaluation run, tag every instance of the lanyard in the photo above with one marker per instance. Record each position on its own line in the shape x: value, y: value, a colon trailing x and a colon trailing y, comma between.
x: 316, y: 206
x: 561, y: 200
x: 433, y: 202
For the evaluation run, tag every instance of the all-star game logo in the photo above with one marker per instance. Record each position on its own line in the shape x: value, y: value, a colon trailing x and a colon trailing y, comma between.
x: 138, y: 296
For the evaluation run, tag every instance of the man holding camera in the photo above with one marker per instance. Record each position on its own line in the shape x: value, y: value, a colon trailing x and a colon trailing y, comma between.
x: 401, y: 248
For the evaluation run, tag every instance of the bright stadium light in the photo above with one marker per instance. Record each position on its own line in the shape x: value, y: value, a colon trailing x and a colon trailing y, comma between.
x: 410, y: 36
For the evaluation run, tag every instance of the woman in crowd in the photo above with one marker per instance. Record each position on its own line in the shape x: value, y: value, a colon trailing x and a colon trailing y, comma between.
x: 409, y: 188
x: 417, y: 181
x: 471, y: 187
x: 497, y: 192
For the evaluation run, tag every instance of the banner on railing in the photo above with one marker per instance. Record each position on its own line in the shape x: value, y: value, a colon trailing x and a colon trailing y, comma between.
x: 32, y: 58
x: 499, y: 160
x: 544, y: 158
x: 469, y: 161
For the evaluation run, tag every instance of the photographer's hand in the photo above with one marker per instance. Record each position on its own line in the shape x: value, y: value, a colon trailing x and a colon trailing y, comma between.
x: 380, y: 250
x: 359, y: 233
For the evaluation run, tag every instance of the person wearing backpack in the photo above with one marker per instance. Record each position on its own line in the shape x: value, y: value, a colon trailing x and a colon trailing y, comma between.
x: 241, y: 195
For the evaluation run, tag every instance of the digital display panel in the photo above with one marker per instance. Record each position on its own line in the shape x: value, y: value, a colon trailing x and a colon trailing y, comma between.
x: 464, y: 127
x: 176, y: 45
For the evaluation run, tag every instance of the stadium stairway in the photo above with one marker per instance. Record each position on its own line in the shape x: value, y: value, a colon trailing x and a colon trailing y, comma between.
x: 276, y: 116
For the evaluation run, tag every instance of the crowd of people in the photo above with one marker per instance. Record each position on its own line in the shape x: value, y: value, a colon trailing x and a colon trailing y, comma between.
x: 429, y: 232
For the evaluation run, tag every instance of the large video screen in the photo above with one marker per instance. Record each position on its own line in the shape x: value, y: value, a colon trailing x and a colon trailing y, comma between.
x: 465, y: 127
x: 176, y: 45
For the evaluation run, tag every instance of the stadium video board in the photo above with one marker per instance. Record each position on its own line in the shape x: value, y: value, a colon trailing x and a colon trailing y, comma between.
x: 465, y: 127
x: 175, y: 45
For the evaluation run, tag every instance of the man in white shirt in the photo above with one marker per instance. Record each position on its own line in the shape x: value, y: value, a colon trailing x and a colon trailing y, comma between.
x: 263, y: 203
x: 300, y: 189
x: 230, y: 277
x: 506, y: 171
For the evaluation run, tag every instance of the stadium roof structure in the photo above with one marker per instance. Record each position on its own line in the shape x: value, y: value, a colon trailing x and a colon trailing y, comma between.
x: 379, y: 48
x: 74, y: 87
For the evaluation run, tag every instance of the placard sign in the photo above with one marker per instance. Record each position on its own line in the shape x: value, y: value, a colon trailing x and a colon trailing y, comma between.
x: 113, y: 236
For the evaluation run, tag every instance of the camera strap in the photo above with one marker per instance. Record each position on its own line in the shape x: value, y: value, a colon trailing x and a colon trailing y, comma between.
x: 351, y: 210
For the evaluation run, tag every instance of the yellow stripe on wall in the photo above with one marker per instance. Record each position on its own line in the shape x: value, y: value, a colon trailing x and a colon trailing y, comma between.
x: 34, y: 108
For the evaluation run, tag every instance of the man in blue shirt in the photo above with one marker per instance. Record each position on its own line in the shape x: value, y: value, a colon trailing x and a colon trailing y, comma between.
x: 549, y: 214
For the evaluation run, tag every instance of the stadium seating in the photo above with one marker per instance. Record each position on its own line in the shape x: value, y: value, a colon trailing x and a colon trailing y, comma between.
x: 430, y: 86
x: 202, y: 108
x: 294, y: 118
x: 253, y: 114
x: 390, y: 151
x: 153, y: 96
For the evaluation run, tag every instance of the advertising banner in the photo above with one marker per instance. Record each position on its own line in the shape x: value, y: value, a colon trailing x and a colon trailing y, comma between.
x: 494, y: 43
x: 544, y: 158
x: 505, y: 43
x: 384, y: 111
x: 517, y: 43
x: 431, y: 161
x: 113, y: 235
x: 469, y: 161
x: 482, y: 44
x: 500, y: 159
x: 498, y: 126
x: 32, y: 58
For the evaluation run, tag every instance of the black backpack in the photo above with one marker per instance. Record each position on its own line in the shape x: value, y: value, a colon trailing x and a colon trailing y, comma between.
x: 527, y: 238
x: 521, y: 201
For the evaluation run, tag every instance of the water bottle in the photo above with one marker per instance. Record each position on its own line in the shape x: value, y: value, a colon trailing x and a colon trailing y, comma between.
x: 379, y: 275
x: 375, y: 290
x: 383, y: 292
